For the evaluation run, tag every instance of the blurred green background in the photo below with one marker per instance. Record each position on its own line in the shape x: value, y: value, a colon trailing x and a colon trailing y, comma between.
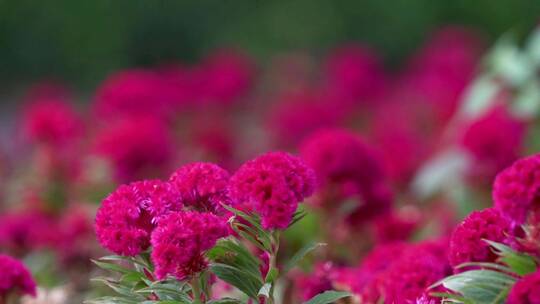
x: 81, y: 41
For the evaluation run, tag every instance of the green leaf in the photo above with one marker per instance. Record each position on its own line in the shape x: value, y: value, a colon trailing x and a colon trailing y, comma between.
x: 328, y: 297
x: 112, y: 267
x: 230, y: 252
x: 111, y: 300
x: 520, y: 263
x: 479, y: 286
x: 246, y: 282
x: 300, y: 254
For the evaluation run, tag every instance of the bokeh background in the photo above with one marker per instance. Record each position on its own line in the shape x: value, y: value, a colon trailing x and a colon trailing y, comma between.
x: 80, y: 42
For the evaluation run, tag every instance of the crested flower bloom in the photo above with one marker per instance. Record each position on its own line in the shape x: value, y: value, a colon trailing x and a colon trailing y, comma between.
x: 51, y: 121
x: 312, y: 284
x: 214, y: 136
x: 494, y: 141
x: 347, y: 168
x: 444, y: 67
x: 272, y: 185
x: 398, y: 225
x: 526, y: 291
x: 299, y: 113
x: 180, y: 241
x: 135, y: 147
x: 515, y: 191
x: 26, y: 230
x: 202, y: 186
x: 15, y: 278
x: 356, y: 71
x: 126, y: 218
x: 467, y: 242
x: 401, y: 126
x: 225, y: 76
x: 408, y: 278
x: 77, y: 240
x: 365, y: 280
x: 132, y: 92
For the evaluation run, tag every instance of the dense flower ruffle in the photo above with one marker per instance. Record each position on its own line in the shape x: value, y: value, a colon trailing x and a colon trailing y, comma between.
x: 526, y: 290
x: 272, y: 185
x: 180, y: 240
x: 202, y: 186
x: 15, y: 277
x: 468, y: 244
x: 127, y: 216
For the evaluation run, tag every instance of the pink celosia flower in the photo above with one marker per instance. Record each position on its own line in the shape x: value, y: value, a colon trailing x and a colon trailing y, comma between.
x: 128, y: 215
x: 356, y: 71
x: 515, y: 191
x: 408, y: 278
x: 135, y: 147
x: 405, y: 125
x: 526, y: 290
x: 202, y: 186
x: 77, y: 240
x: 225, y: 76
x: 15, y: 278
x: 272, y: 185
x: 180, y: 241
x: 314, y: 283
x: 347, y: 168
x: 365, y: 280
x: 443, y: 68
x: 215, y: 138
x: 132, y: 92
x: 27, y: 230
x: 298, y: 114
x: 51, y: 121
x: 495, y: 141
x: 467, y: 242
x: 396, y: 226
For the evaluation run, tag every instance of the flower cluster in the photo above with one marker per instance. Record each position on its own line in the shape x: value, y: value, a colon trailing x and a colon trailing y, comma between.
x: 202, y: 186
x: 181, y: 238
x: 468, y: 243
x: 15, y: 277
x: 516, y: 188
x: 135, y: 147
x: 526, y: 290
x: 272, y: 185
x: 127, y: 217
x: 347, y: 168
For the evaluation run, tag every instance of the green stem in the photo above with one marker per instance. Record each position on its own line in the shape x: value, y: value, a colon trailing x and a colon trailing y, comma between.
x: 196, y: 290
x: 273, y: 262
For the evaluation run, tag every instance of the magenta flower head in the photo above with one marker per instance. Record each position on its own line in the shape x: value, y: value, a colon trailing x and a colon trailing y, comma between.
x: 526, y: 290
x: 494, y: 141
x: 347, y: 167
x: 272, y: 185
x: 356, y: 71
x: 132, y: 92
x: 515, y: 191
x: 316, y: 282
x: 135, y: 147
x: 180, y: 241
x: 467, y: 242
x: 126, y: 218
x: 299, y: 113
x: 226, y: 75
x: 202, y: 186
x: 25, y: 231
x: 408, y: 278
x: 15, y: 278
x: 51, y: 121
